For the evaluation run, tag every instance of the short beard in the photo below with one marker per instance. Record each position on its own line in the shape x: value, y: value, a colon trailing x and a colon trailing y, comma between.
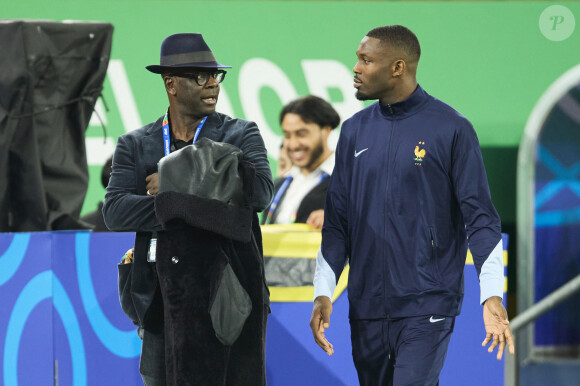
x: 315, y: 155
x: 362, y: 97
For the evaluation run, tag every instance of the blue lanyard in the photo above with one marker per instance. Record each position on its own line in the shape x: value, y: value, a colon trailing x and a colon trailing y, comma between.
x: 324, y: 176
x: 166, y: 140
x: 277, y: 198
x: 281, y: 192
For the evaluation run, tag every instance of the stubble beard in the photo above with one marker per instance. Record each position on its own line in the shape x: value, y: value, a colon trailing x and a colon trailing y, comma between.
x: 316, y: 154
x: 361, y: 96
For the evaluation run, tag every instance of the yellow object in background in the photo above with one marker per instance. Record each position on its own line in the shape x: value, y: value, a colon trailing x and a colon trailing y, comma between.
x: 294, y: 241
x: 290, y: 253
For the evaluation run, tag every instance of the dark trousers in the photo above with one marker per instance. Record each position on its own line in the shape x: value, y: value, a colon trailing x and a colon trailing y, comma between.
x: 152, y: 363
x: 397, y: 352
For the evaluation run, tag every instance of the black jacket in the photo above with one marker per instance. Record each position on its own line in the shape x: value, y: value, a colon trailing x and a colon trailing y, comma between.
x: 201, y: 236
x: 314, y: 200
x: 127, y: 206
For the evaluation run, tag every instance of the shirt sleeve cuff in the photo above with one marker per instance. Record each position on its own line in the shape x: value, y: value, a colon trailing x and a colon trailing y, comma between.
x: 324, y: 278
x: 491, y: 277
x: 491, y: 288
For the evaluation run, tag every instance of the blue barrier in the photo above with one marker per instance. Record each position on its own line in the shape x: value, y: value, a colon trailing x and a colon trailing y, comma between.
x: 59, y: 303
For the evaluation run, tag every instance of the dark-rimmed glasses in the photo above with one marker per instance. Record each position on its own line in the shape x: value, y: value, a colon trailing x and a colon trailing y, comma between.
x: 202, y: 77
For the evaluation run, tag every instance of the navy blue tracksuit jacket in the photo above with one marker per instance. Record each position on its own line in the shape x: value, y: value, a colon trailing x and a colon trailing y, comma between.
x: 408, y: 191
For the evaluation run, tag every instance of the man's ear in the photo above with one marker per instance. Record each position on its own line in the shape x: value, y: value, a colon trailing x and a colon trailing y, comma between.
x: 399, y: 68
x: 169, y: 84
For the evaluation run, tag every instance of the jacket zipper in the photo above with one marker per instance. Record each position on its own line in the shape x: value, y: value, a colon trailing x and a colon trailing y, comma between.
x: 387, y: 198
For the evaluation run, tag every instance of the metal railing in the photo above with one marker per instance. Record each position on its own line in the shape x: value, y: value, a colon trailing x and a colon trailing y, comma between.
x: 526, y: 210
x: 531, y: 314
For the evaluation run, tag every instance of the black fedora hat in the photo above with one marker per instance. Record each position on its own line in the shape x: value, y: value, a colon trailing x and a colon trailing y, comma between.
x: 186, y: 50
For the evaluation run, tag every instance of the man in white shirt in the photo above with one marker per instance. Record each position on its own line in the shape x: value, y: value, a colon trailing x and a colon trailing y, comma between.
x: 300, y: 195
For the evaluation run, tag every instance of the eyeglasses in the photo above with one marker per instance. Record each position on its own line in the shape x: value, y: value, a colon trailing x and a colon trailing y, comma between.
x: 202, y: 77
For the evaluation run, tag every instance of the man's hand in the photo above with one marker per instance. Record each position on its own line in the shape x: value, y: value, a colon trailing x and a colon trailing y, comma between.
x: 320, y: 321
x: 152, y: 184
x: 316, y: 219
x: 497, y: 326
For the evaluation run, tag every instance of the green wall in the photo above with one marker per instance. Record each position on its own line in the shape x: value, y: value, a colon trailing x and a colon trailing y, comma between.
x: 487, y: 59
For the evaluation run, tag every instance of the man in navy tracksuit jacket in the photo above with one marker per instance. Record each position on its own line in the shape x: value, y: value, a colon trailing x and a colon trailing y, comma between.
x: 408, y: 192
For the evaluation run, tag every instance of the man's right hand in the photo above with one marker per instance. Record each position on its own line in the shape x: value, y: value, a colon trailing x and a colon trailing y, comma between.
x: 152, y: 181
x: 320, y: 321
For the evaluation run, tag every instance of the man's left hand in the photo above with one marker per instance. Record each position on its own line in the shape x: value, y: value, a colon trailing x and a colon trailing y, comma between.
x: 497, y: 326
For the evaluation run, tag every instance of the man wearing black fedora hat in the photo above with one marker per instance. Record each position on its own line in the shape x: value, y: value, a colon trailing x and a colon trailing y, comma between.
x: 181, y: 343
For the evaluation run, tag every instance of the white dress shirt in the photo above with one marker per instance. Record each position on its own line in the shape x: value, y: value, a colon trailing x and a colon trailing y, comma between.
x: 299, y: 188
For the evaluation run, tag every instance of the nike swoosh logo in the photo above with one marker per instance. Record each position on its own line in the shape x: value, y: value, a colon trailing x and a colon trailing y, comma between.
x: 435, y: 320
x: 357, y: 153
